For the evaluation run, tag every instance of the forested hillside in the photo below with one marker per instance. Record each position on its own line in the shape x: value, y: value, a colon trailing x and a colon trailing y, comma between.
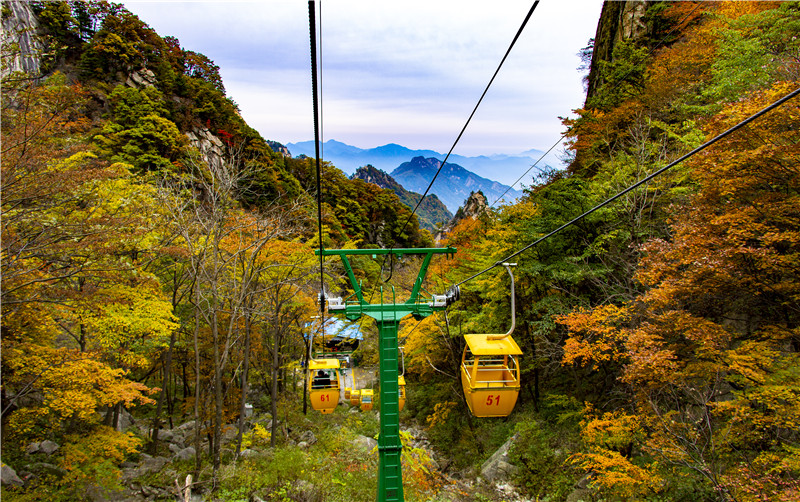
x: 660, y: 332
x: 159, y: 279
x: 431, y: 212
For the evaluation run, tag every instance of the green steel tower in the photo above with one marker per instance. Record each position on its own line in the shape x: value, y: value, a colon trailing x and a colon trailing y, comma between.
x: 388, y: 315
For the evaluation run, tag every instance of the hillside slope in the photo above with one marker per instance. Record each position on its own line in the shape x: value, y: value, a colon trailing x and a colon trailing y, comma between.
x: 432, y: 213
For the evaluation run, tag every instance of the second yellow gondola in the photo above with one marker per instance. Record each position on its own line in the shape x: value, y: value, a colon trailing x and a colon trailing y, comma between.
x: 366, y: 399
x: 324, y: 384
x: 401, y: 382
x: 355, y: 397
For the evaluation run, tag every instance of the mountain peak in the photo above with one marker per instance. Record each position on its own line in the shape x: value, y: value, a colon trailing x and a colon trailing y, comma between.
x: 453, y: 185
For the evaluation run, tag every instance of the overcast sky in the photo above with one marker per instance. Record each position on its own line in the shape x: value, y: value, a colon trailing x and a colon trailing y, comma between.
x: 405, y: 71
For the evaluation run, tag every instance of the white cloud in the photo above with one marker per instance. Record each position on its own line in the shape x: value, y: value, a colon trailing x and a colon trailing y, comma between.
x: 405, y: 72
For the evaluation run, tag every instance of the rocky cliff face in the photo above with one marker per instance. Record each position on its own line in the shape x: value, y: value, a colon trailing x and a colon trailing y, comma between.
x: 21, y: 46
x: 475, y: 205
x: 618, y: 21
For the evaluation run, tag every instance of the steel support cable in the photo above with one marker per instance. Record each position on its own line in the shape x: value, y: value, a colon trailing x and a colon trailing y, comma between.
x: 660, y: 42
x: 641, y: 182
x: 463, y: 129
x: 313, y: 34
x: 529, y: 169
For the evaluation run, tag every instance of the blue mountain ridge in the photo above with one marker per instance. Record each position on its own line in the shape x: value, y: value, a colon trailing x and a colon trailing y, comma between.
x: 453, y: 185
x: 502, y: 168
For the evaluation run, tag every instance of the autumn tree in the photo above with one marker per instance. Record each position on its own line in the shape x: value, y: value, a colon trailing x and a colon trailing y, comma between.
x: 708, y: 349
x: 81, y: 314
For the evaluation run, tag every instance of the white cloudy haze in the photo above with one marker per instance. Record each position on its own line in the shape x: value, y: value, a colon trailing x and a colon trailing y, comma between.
x: 407, y: 72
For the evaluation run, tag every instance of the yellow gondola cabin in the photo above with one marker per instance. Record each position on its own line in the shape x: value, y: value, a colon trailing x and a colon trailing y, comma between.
x: 324, y: 384
x: 490, y: 374
x: 366, y: 399
x: 355, y: 397
x: 401, y: 382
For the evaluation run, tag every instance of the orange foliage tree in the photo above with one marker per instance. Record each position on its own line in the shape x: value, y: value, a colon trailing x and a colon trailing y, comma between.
x: 710, y: 351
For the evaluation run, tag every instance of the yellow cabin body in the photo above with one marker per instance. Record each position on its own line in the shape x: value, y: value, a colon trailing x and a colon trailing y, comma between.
x: 401, y: 382
x: 324, y: 384
x: 490, y: 374
x: 366, y: 399
x: 355, y: 397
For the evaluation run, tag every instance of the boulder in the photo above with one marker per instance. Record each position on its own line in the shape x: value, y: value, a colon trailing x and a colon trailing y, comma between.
x: 166, y: 435
x: 153, y: 464
x: 9, y: 477
x: 125, y: 420
x: 48, y: 447
x: 498, y: 468
x: 308, y: 437
x: 364, y: 443
x: 187, y: 427
x: 185, y: 454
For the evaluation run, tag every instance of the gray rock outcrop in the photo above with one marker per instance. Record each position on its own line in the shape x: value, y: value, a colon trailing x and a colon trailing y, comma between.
x: 19, y: 33
x: 9, y: 476
x: 498, y: 468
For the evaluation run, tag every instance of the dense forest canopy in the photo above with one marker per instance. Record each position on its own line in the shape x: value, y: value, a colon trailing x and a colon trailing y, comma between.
x: 158, y: 259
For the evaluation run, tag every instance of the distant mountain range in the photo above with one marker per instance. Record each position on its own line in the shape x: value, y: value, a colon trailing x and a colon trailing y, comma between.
x: 432, y: 213
x: 503, y: 168
x: 454, y: 183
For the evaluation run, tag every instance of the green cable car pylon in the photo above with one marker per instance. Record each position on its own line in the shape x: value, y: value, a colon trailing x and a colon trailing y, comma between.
x: 388, y: 317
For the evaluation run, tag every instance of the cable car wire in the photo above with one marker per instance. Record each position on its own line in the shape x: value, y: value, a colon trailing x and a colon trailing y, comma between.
x: 644, y: 180
x: 463, y: 129
x: 529, y: 169
x: 315, y: 97
x: 458, y: 138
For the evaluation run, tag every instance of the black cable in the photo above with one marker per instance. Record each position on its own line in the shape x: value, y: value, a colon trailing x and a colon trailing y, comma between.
x: 463, y: 129
x: 643, y: 180
x: 313, y: 31
x: 529, y: 169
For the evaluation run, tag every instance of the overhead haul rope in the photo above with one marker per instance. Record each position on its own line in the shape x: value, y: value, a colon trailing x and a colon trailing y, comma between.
x: 642, y: 181
x: 313, y: 32
x: 463, y: 129
x: 660, y: 42
x: 508, y: 51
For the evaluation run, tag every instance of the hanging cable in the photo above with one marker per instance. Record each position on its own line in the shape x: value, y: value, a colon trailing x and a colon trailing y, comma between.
x: 463, y: 129
x: 313, y: 32
x: 321, y: 97
x: 529, y: 169
x: 642, y: 181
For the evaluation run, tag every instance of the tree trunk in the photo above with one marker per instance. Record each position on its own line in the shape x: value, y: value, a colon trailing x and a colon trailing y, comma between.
x: 274, y: 393
x: 157, y: 419
x: 197, y: 456
x: 217, y: 397
x: 245, y: 368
